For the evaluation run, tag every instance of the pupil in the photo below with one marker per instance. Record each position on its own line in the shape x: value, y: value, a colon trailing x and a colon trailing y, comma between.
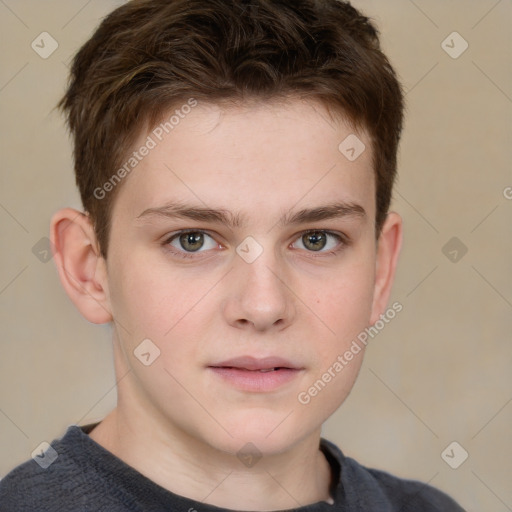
x: 191, y: 241
x: 314, y: 241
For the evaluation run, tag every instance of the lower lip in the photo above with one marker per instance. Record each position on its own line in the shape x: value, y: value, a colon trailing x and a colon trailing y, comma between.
x: 257, y: 381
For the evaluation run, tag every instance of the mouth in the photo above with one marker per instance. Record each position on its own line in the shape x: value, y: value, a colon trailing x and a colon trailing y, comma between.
x: 263, y: 370
x: 265, y: 364
x: 248, y: 373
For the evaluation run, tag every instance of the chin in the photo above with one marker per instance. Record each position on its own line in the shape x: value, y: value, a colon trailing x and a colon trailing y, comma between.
x: 265, y: 436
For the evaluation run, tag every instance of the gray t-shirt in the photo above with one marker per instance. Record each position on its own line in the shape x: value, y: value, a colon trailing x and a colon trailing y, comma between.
x: 86, y: 477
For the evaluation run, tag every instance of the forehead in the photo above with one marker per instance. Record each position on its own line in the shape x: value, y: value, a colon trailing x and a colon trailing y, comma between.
x: 253, y: 157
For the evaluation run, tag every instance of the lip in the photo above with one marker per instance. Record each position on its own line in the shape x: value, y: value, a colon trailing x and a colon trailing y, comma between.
x: 245, y: 373
x: 254, y: 363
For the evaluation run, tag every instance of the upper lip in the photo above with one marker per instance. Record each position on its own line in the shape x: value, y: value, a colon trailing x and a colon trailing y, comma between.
x: 254, y: 363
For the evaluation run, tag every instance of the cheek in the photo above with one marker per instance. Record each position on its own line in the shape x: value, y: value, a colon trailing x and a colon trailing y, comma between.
x: 344, y: 304
x: 142, y: 295
x: 150, y: 305
x: 171, y: 310
x: 138, y: 299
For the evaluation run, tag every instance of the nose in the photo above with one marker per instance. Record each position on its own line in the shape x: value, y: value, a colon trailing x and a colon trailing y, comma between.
x: 258, y: 296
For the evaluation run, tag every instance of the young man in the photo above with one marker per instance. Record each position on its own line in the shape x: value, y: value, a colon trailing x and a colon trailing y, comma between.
x: 235, y: 162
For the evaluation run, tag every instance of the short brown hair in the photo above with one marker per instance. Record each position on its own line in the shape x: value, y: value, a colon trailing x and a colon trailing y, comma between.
x: 149, y: 55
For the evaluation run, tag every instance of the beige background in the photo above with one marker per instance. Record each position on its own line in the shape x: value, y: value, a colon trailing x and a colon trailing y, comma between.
x: 440, y: 372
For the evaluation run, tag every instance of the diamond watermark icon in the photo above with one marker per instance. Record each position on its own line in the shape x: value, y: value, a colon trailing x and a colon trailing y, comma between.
x: 147, y: 352
x: 44, y: 45
x: 351, y: 147
x: 45, y: 455
x: 43, y: 249
x: 249, y: 455
x: 454, y: 455
x: 249, y: 250
x: 454, y: 250
x: 454, y: 45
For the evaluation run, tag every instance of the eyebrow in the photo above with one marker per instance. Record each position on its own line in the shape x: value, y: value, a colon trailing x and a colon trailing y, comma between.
x: 235, y: 220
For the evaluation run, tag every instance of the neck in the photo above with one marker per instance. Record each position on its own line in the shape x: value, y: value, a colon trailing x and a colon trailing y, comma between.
x: 169, y: 457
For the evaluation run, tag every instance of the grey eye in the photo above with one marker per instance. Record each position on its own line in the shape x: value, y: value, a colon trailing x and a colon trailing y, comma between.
x: 314, y: 241
x: 319, y: 241
x: 192, y: 241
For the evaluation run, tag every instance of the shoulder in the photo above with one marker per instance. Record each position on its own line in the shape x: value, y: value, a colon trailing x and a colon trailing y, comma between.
x: 422, y: 495
x: 27, y: 487
x: 369, y: 489
x: 403, y: 494
x: 21, y: 484
x: 50, y: 481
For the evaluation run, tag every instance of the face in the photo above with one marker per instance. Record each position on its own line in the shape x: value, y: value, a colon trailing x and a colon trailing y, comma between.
x: 244, y: 233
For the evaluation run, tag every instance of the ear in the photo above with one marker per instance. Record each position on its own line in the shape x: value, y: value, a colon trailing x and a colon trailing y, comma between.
x: 388, y: 250
x: 82, y: 269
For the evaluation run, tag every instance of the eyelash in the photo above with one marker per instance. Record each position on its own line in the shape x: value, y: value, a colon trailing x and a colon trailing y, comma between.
x: 342, y: 239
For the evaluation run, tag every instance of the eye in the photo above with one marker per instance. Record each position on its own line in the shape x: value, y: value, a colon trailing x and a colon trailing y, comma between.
x: 191, y: 241
x: 320, y: 241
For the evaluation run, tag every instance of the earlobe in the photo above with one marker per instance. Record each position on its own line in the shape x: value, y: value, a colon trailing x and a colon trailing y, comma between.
x: 82, y: 270
x: 388, y: 251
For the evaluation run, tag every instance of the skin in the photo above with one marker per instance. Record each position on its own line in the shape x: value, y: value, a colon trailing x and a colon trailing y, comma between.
x: 259, y: 161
